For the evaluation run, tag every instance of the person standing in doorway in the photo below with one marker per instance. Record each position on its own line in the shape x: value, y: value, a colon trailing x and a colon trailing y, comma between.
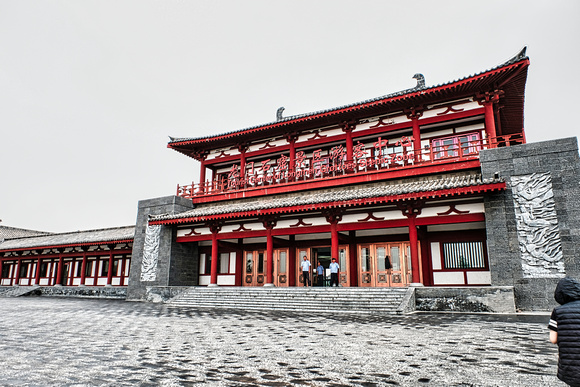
x: 320, y: 274
x: 334, y: 269
x: 305, y: 264
x: 565, y: 330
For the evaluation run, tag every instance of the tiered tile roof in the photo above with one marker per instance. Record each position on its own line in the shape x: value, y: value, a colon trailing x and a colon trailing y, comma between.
x: 76, y: 238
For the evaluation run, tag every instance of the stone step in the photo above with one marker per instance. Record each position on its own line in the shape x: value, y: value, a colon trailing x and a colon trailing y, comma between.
x: 331, y: 300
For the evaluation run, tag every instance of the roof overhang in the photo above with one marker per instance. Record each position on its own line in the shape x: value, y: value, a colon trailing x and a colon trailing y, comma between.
x: 423, y: 195
x: 509, y: 77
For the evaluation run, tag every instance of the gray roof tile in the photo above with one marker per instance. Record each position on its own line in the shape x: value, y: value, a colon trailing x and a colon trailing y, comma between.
x: 14, y: 233
x: 328, y: 196
x: 70, y: 238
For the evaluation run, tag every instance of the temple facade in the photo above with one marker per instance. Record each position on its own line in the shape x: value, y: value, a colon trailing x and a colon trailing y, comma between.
x: 433, y: 186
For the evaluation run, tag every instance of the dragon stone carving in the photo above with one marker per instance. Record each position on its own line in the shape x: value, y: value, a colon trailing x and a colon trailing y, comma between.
x: 150, y: 253
x: 537, y: 226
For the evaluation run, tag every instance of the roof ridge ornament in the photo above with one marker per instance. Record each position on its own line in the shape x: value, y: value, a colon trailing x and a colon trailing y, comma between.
x: 279, y: 113
x: 420, y: 81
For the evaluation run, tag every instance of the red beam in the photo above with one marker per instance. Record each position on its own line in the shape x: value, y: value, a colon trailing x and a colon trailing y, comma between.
x: 394, y: 223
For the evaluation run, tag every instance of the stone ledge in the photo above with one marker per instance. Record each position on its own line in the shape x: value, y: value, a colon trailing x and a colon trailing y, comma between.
x: 84, y: 292
x: 494, y: 299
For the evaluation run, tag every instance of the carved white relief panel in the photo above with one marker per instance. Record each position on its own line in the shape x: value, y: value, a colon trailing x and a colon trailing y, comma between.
x: 150, y: 253
x: 537, y: 226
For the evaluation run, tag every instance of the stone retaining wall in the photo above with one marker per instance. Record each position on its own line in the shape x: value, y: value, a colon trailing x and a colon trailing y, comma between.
x: 84, y: 292
x: 497, y: 299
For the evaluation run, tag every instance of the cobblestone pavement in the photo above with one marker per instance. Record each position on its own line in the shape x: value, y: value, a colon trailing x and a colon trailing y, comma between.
x: 84, y: 342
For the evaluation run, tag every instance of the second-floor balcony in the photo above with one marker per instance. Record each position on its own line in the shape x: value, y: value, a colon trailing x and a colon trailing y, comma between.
x: 452, y: 153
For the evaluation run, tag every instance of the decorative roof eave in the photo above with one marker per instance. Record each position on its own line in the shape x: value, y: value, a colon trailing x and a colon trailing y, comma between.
x: 71, y: 239
x: 64, y: 246
x: 469, y: 190
x: 520, y: 61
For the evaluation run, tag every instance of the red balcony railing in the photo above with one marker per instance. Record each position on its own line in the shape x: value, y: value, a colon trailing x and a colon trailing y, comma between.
x: 325, y: 168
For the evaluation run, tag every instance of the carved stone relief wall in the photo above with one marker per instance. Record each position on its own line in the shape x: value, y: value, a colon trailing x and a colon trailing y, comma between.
x: 150, y: 253
x: 537, y: 226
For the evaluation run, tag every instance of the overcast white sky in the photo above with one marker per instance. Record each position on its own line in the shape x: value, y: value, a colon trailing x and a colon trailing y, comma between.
x: 90, y: 90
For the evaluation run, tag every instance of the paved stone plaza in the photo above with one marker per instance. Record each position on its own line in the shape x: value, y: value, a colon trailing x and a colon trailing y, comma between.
x: 86, y: 342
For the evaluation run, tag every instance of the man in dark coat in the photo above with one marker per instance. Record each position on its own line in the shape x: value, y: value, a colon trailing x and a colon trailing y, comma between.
x: 565, y: 330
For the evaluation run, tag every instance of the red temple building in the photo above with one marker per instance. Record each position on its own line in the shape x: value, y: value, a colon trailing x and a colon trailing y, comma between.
x: 429, y: 187
x: 391, y: 187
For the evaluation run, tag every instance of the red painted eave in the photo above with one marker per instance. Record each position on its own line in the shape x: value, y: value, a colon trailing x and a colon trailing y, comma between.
x: 428, y: 195
x: 65, y: 246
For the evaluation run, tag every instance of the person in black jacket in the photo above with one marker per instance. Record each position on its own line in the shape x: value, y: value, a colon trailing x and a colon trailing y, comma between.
x: 565, y: 330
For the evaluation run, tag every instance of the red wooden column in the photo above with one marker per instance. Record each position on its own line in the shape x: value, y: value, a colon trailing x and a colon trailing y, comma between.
x: 214, y: 228
x: 37, y: 274
x: 352, y: 252
x: 489, y: 121
x: 348, y: 127
x: 84, y: 269
x: 240, y: 262
x: 292, y: 261
x: 411, y: 210
x: 17, y: 274
x: 58, y: 281
x: 487, y: 100
x: 202, y: 170
x: 333, y: 217
x: 416, y: 277
x: 110, y: 271
x: 414, y: 114
x: 123, y: 267
x: 291, y: 138
x: 97, y: 273
x: 269, y: 224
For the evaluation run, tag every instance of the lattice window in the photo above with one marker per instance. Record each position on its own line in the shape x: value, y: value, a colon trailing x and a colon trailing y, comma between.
x: 464, y: 255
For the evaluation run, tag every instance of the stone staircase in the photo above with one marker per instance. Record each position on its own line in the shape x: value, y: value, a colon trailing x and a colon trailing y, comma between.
x: 17, y: 291
x: 317, y: 300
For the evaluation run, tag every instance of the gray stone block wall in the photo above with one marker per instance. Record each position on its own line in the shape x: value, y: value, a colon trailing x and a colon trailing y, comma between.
x: 176, y: 263
x: 495, y: 299
x: 560, y: 159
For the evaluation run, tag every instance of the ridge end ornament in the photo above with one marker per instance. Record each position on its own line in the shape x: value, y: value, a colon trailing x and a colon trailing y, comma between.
x: 420, y: 81
x: 279, y: 113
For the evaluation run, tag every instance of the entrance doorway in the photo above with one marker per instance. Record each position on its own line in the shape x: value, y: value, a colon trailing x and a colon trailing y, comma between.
x: 322, y: 254
x: 385, y: 264
x: 254, y: 268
